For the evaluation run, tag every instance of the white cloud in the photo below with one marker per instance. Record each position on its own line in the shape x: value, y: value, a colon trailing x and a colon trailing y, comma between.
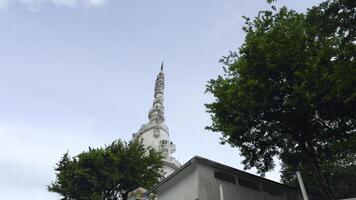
x: 69, y: 3
x: 96, y: 2
x: 37, y: 5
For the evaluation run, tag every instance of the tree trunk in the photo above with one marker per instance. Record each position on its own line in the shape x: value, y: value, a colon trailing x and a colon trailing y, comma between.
x: 125, y: 196
x: 325, y: 187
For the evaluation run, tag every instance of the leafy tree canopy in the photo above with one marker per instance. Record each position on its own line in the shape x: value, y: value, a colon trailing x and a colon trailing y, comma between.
x: 289, y: 92
x: 107, y: 173
x: 340, y: 170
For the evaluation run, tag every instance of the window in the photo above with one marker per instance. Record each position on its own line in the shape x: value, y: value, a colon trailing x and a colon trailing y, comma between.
x: 249, y: 184
x: 291, y: 196
x: 163, y: 142
x: 225, y: 176
x: 272, y: 190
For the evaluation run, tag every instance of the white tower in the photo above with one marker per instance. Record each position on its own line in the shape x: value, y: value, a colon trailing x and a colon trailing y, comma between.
x: 155, y: 133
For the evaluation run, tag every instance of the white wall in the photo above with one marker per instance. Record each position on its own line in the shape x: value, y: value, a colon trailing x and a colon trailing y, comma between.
x: 198, y: 182
x: 183, y: 186
x: 209, y: 185
x: 167, y: 170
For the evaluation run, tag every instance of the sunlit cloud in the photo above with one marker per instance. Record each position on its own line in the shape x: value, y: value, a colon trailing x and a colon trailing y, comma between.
x: 97, y: 2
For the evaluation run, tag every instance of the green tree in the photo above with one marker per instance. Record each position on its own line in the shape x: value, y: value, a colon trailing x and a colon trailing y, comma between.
x: 340, y: 169
x: 289, y: 92
x: 107, y: 173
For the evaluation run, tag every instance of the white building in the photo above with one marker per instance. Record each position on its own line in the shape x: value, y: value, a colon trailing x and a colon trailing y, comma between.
x: 203, y: 179
x: 155, y: 133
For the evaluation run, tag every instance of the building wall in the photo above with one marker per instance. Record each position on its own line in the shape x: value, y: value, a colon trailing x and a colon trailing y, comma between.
x: 201, y: 181
x: 168, y: 170
x: 183, y: 186
x: 208, y: 186
x: 151, y: 139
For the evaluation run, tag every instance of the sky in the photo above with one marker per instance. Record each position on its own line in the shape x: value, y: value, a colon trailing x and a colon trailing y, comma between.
x: 80, y: 73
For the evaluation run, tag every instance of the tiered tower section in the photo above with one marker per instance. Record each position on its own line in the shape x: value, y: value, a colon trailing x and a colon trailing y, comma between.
x: 155, y: 133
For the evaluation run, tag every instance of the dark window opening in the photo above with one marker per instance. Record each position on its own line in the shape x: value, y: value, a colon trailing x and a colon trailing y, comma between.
x: 272, y: 190
x: 248, y: 184
x: 225, y: 176
x: 291, y: 196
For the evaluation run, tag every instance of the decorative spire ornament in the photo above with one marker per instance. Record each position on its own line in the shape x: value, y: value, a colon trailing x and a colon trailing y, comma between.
x: 156, y: 113
x: 155, y: 133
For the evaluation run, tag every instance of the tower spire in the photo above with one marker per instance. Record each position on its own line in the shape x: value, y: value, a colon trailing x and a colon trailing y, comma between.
x: 156, y: 113
x: 155, y: 133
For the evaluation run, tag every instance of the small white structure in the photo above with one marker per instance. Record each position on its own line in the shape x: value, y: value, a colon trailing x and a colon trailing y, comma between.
x: 140, y: 194
x: 203, y: 179
x: 155, y: 133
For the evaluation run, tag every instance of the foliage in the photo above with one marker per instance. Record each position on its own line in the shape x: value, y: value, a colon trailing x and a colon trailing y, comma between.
x: 289, y: 92
x: 107, y: 173
x: 340, y: 170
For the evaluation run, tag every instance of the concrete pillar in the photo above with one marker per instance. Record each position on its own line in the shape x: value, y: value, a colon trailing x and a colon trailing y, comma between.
x: 302, y: 187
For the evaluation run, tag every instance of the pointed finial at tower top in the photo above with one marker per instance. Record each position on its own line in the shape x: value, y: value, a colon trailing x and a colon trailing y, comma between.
x: 156, y: 113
